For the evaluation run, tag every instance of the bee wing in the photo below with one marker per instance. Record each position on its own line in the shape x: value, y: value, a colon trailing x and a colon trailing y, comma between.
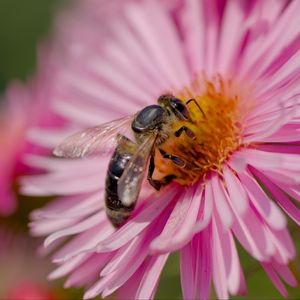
x: 130, y: 183
x: 92, y: 140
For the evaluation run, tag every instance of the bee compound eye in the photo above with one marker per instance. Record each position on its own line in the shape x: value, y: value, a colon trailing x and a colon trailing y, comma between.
x: 180, y: 109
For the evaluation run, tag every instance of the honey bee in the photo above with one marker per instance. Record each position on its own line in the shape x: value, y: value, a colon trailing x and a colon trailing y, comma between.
x: 152, y: 127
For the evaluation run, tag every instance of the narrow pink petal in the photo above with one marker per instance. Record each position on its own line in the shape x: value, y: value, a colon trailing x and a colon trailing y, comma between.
x: 279, y: 196
x: 90, y: 84
x: 231, y: 32
x: 212, y: 14
x: 281, y: 148
x: 113, y: 73
x: 186, y: 231
x: 52, y: 209
x: 267, y: 50
x: 221, y: 202
x: 128, y: 289
x: 174, y: 222
x: 88, y: 271
x: 266, y: 208
x: 187, y: 271
x: 275, y: 279
x: 235, y: 272
x: 203, y: 254
x: 157, y: 41
x: 118, y: 55
x: 59, y: 184
x: 284, y: 271
x: 283, y: 243
x: 68, y: 266
x: 237, y: 194
x: 48, y: 138
x: 293, y: 192
x: 206, y: 208
x: 132, y: 261
x: 137, y: 51
x: 84, y: 241
x: 86, y: 117
x: 151, y: 276
x: 45, y: 227
x: 250, y: 234
x: 86, y: 206
x: 126, y: 253
x: 194, y: 23
x: 117, y: 278
x: 283, y: 177
x: 269, y: 161
x: 153, y: 208
x: 219, y: 272
x: 77, y: 228
x: 230, y: 258
x: 179, y: 227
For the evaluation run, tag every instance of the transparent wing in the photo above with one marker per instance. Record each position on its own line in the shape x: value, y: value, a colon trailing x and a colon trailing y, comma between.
x: 130, y: 183
x: 93, y: 140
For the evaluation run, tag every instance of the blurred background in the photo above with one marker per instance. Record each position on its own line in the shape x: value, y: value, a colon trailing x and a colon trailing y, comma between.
x: 23, y: 25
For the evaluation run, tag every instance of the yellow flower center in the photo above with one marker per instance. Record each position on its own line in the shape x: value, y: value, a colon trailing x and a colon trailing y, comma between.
x: 217, y: 129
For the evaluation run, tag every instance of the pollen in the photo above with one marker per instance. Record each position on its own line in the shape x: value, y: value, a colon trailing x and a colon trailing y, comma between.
x: 216, y: 124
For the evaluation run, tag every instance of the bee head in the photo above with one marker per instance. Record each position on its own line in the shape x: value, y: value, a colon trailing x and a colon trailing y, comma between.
x: 175, y: 106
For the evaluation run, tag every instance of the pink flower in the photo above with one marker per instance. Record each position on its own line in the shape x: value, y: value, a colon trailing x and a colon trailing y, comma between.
x: 23, y: 107
x: 23, y: 274
x: 239, y: 60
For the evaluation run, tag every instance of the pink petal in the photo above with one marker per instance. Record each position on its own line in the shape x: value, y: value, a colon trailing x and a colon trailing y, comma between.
x: 221, y: 200
x: 266, y: 208
x: 237, y: 194
x: 126, y: 253
x: 284, y: 244
x: 285, y: 273
x: 206, y: 208
x: 187, y: 271
x: 84, y: 242
x: 218, y: 259
x: 248, y: 230
x: 179, y: 227
x: 279, y: 196
x: 88, y: 271
x: 68, y: 266
x: 76, y: 228
x: 153, y: 208
x: 194, y: 23
x: 159, y: 41
x: 203, y: 254
x: 269, y: 161
x: 231, y: 33
x: 151, y: 276
x: 275, y: 279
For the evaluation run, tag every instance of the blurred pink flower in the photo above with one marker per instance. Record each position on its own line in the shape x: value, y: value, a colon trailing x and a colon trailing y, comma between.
x: 23, y: 107
x: 23, y: 275
x: 240, y: 60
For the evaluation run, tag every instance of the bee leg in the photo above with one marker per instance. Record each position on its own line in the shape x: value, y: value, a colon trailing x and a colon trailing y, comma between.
x: 175, y: 159
x: 188, y: 132
x: 194, y: 101
x: 155, y: 183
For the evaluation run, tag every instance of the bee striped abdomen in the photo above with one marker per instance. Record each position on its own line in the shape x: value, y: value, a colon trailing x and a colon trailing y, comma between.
x: 116, y: 212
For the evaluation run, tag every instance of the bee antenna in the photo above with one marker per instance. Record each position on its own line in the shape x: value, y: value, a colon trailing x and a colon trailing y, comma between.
x: 194, y: 100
